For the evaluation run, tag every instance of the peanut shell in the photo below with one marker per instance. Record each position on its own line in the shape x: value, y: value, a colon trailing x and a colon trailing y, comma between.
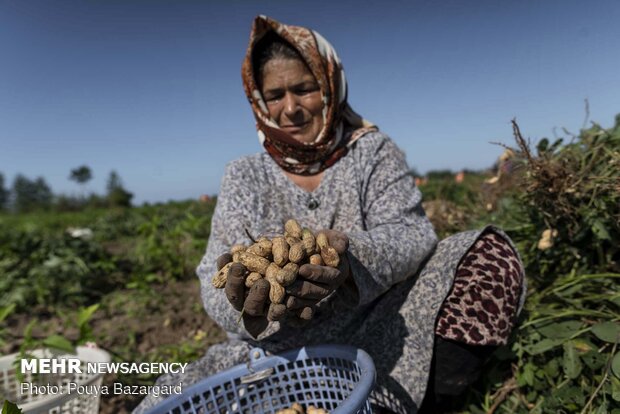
x: 219, y: 279
x: 297, y: 252
x: 292, y: 228
x: 330, y: 256
x: 260, y: 250
x: 279, y: 250
x: 322, y: 241
x: 276, y: 292
x: 288, y: 274
x: 316, y: 259
x: 252, y: 278
x: 291, y: 240
x: 309, y: 242
x: 238, y: 248
x: 253, y: 262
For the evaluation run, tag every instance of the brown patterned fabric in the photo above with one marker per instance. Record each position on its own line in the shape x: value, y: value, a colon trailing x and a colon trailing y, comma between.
x: 341, y: 125
x: 482, y: 306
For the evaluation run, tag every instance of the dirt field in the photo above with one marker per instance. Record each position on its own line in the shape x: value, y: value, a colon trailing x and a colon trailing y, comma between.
x: 131, y: 325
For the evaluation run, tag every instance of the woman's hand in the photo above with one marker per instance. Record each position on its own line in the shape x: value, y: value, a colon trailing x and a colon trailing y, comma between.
x: 315, y: 282
x: 252, y: 302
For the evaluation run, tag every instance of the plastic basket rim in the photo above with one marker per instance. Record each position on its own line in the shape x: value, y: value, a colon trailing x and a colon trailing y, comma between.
x: 351, y: 404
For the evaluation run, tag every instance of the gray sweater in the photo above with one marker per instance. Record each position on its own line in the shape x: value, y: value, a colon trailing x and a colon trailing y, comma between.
x: 369, y: 194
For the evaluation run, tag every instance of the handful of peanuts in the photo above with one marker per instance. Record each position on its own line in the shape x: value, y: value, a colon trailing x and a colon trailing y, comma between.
x: 273, y: 264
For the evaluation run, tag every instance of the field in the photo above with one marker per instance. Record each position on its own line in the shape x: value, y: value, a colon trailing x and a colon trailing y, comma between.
x: 124, y: 278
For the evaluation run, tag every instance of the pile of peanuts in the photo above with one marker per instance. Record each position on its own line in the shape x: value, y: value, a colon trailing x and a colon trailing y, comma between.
x: 297, y: 408
x: 273, y: 264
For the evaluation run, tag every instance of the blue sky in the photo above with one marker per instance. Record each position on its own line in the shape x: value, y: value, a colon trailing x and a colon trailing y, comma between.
x: 152, y: 89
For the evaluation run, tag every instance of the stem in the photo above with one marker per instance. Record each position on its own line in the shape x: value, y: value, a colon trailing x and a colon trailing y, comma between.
x: 607, y: 367
x: 240, y: 316
x: 569, y: 313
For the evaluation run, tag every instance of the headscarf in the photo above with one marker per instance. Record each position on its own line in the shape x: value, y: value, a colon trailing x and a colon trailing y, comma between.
x: 341, y: 125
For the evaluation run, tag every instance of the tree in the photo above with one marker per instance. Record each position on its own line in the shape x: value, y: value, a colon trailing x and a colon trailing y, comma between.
x: 31, y: 195
x: 117, y: 195
x: 81, y: 175
x: 4, y: 193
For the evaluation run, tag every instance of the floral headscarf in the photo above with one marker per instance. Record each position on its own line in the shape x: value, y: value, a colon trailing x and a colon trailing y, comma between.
x: 341, y: 125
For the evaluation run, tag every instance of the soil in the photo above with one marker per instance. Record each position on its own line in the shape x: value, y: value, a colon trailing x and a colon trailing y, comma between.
x: 132, y: 326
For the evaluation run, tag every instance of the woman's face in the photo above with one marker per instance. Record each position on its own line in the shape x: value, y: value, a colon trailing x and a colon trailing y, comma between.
x: 293, y: 98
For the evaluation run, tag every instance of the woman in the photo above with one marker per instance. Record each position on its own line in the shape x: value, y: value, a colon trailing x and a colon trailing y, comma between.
x: 330, y: 169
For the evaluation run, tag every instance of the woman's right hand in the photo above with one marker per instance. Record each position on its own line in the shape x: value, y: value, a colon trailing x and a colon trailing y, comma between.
x: 252, y: 302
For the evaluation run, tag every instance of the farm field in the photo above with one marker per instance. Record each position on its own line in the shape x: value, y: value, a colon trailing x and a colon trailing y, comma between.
x: 124, y: 277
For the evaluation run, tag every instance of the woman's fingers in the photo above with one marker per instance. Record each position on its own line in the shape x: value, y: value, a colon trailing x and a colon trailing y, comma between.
x: 307, y: 290
x: 338, y: 240
x: 235, y: 286
x: 256, y: 301
x: 223, y: 260
x: 294, y: 302
x: 319, y: 274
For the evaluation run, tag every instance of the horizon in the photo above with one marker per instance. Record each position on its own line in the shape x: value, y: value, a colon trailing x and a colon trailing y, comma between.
x: 153, y: 90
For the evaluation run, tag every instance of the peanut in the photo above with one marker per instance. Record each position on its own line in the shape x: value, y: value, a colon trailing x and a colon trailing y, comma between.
x: 253, y: 262
x: 292, y: 228
x: 276, y: 292
x: 238, y: 248
x: 309, y: 242
x: 219, y: 279
x: 272, y: 271
x: 260, y: 249
x: 322, y: 241
x: 330, y: 256
x: 316, y: 259
x: 279, y: 250
x: 236, y: 256
x: 287, y: 274
x: 291, y: 240
x: 252, y: 278
x: 297, y: 252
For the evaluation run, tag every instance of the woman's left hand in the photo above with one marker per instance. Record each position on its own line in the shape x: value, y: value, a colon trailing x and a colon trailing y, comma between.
x: 317, y: 282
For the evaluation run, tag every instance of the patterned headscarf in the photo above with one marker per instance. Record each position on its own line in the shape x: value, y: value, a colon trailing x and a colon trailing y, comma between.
x: 341, y: 125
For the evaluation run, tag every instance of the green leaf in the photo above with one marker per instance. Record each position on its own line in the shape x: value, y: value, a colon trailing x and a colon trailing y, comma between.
x: 86, y: 313
x: 6, y: 311
x: 599, y: 230
x: 59, y: 342
x: 615, y: 388
x: 542, y: 145
x: 552, y: 368
x: 594, y: 360
x: 560, y: 330
x: 543, y: 346
x: 527, y: 376
x: 10, y: 408
x: 571, y: 362
x: 602, y: 409
x: 607, y: 331
x: 615, y: 365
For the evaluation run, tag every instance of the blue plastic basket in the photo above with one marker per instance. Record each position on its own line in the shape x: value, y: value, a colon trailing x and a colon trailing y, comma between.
x: 336, y: 378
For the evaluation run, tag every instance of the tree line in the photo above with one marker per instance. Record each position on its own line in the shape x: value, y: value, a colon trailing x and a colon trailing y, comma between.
x: 26, y: 195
